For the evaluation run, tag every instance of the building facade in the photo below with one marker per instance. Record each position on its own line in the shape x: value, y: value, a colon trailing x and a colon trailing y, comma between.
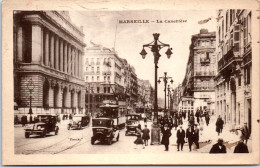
x: 48, y: 52
x: 198, y: 84
x: 234, y: 60
x: 103, y: 77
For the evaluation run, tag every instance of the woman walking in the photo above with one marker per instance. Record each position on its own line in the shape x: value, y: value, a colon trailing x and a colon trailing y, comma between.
x: 139, y: 140
x: 146, y: 135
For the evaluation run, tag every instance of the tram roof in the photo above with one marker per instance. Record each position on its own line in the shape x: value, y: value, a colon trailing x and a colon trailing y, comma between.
x: 109, y: 106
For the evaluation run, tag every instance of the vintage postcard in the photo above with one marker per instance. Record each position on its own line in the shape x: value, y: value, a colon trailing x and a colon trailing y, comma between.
x: 135, y: 83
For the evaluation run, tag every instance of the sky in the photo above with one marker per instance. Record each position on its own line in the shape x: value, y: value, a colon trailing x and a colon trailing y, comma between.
x: 103, y: 27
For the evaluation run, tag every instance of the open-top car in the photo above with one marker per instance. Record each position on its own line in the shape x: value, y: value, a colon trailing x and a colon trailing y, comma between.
x: 42, y: 125
x: 104, y: 130
x: 132, y: 122
x: 78, y: 121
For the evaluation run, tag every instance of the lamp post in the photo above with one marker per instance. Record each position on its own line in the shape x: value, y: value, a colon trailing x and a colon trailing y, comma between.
x: 155, y: 47
x: 30, y: 87
x: 169, y: 96
x: 165, y: 79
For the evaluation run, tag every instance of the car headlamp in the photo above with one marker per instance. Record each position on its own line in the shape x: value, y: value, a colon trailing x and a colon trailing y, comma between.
x: 38, y: 127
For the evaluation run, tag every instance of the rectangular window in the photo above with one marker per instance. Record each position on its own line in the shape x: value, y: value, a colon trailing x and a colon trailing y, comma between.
x: 86, y: 78
x: 27, y: 41
x: 239, y: 81
x: 248, y: 76
x: 97, y: 78
x: 92, y: 78
x: 108, y: 89
x: 97, y: 89
x: 105, y: 90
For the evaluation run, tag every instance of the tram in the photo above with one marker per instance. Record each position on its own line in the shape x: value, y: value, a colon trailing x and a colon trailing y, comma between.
x: 110, y: 109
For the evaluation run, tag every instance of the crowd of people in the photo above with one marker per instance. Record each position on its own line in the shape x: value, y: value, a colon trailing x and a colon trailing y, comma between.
x: 192, y: 134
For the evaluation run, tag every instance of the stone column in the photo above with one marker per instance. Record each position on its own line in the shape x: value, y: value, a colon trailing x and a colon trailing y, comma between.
x: 69, y: 58
x: 80, y: 65
x: 233, y: 108
x: 61, y: 56
x: 57, y: 53
x: 65, y: 58
x: 37, y: 44
x: 20, y: 44
x: 72, y: 61
x: 46, y: 48
x: 51, y: 94
x: 52, y: 50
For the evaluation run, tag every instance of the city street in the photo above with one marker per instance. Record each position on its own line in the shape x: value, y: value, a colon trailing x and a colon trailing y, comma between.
x: 78, y: 142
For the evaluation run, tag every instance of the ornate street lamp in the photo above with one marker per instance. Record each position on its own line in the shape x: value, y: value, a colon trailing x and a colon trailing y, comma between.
x: 165, y: 79
x: 155, y: 47
x: 30, y: 87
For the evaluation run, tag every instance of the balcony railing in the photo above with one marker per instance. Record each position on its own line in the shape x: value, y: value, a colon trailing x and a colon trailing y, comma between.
x: 106, y: 72
x: 204, y: 60
x: 227, y: 58
x: 204, y: 73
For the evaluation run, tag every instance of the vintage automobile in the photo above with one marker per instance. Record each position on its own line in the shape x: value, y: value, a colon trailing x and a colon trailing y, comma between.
x: 42, y: 125
x: 132, y: 122
x: 104, y: 130
x: 78, y: 121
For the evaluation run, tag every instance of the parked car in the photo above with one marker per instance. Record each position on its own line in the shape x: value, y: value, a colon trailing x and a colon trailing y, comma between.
x: 104, y: 130
x: 78, y: 121
x: 43, y: 124
x: 132, y: 122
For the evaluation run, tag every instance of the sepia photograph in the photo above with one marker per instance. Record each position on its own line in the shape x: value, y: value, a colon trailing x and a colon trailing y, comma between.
x: 172, y: 83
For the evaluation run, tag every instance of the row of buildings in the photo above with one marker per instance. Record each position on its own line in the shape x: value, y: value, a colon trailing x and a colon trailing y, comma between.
x: 219, y: 70
x: 54, y: 72
x: 109, y: 77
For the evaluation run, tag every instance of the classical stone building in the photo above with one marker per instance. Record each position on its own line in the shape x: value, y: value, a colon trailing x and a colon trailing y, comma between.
x: 198, y: 84
x: 48, y: 52
x: 234, y: 57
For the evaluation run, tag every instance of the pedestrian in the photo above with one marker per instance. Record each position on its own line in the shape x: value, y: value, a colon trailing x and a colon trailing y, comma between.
x: 24, y: 120
x: 245, y: 133
x: 197, y: 114
x: 16, y: 120
x: 219, y: 147
x: 190, y: 136
x: 166, y: 136
x: 201, y: 126
x: 191, y: 121
x: 207, y: 119
x: 146, y: 135
x: 196, y: 136
x: 241, y: 147
x: 180, y: 138
x: 219, y: 125
x: 170, y: 122
x: 145, y: 120
x: 175, y: 122
x: 184, y: 114
x: 138, y: 140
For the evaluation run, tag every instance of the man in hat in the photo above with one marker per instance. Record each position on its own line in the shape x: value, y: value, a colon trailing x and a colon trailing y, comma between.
x: 245, y: 133
x: 196, y: 136
x: 219, y: 147
x: 241, y: 147
x: 190, y: 136
x: 180, y: 138
x: 166, y: 136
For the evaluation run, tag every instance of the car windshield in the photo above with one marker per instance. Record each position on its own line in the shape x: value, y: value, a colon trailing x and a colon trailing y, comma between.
x: 102, y: 122
x: 132, y: 117
x: 77, y: 119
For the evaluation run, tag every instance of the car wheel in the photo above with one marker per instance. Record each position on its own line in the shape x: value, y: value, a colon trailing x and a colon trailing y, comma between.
x: 56, y: 131
x: 68, y: 127
x: 117, y: 138
x: 27, y: 135
x: 109, y: 141
x: 43, y: 133
x: 92, y: 141
x: 79, y: 127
